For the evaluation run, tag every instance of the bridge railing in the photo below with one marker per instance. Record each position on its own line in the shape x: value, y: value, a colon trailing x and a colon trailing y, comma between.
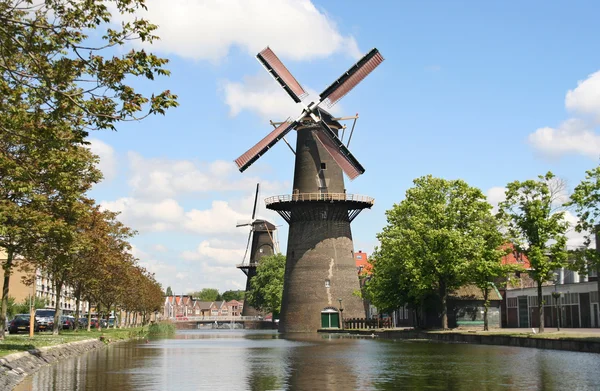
x: 215, y: 318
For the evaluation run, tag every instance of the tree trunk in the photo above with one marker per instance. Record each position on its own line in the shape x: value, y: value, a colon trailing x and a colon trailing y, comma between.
x: 486, y: 306
x: 89, y: 316
x: 540, y: 307
x: 77, y: 302
x: 57, y: 288
x: 7, y: 270
x: 444, y: 297
x: 98, y: 306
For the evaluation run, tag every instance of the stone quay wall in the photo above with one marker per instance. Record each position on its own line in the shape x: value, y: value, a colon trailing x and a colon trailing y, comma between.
x: 15, y: 367
x: 574, y: 345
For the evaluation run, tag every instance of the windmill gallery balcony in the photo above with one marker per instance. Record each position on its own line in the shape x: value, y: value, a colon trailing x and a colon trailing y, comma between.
x: 349, y: 205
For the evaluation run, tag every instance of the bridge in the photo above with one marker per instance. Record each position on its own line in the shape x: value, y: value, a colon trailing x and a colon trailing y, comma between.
x: 218, y: 319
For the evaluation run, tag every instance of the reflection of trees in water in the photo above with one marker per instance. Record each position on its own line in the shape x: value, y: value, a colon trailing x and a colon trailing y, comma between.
x: 113, y: 368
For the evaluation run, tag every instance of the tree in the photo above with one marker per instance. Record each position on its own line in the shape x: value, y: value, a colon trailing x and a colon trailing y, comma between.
x: 207, y: 294
x: 486, y: 268
x: 47, y: 54
x: 536, y: 228
x: 55, y: 84
x: 169, y: 292
x: 430, y: 239
x: 233, y: 295
x: 267, y: 285
x: 586, y: 199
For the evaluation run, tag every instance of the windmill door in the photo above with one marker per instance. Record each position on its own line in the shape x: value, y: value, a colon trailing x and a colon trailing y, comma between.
x: 330, y: 319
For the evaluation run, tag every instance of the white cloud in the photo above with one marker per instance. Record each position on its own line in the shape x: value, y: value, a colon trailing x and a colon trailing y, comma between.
x: 262, y: 95
x: 585, y: 98
x: 496, y: 195
x: 163, y: 178
x: 573, y: 136
x: 209, y: 250
x: 208, y: 29
x: 159, y: 248
x: 108, y: 158
x: 147, y: 215
x: 574, y: 238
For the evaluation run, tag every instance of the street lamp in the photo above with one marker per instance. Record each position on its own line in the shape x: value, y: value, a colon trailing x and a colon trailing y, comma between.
x: 556, y: 296
x: 341, y: 314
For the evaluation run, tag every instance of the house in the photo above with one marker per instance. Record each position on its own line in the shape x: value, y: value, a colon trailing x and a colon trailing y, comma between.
x: 363, y: 266
x: 235, y: 307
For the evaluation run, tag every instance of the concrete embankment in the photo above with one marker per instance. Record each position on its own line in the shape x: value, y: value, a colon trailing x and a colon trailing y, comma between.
x: 15, y: 367
x: 525, y: 341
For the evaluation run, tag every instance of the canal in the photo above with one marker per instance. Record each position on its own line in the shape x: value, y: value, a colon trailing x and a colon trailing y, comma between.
x: 251, y: 360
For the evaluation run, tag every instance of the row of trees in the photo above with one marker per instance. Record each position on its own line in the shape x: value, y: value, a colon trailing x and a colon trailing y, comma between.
x: 444, y: 235
x: 56, y: 84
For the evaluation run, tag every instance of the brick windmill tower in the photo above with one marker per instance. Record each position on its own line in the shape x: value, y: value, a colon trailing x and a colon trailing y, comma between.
x: 320, y: 274
x: 261, y: 244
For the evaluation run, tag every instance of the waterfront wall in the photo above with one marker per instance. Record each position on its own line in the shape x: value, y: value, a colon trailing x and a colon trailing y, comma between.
x: 15, y: 367
x: 574, y: 345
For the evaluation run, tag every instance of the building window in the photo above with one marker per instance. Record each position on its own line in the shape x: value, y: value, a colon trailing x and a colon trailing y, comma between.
x: 323, y: 166
x: 214, y: 312
x: 327, y: 283
x: 511, y: 302
x: 359, y: 257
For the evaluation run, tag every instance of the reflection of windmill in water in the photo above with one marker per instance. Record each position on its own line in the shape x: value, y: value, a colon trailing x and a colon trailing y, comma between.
x: 261, y: 243
x: 320, y: 268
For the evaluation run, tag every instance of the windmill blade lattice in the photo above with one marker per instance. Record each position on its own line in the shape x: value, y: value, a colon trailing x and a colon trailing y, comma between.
x: 275, y: 67
x: 345, y: 83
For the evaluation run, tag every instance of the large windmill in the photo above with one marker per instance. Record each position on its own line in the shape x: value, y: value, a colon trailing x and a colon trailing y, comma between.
x: 261, y: 243
x: 320, y: 274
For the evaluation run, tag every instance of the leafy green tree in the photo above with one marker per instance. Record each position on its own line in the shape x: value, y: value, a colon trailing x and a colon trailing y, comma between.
x: 207, y: 294
x: 430, y: 240
x: 537, y: 229
x: 267, y: 285
x: 169, y: 292
x: 24, y: 306
x: 586, y: 199
x: 69, y: 59
x: 233, y: 295
x: 486, y: 268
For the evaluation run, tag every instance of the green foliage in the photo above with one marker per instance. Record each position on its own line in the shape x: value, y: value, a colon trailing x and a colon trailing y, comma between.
x: 169, y: 292
x: 536, y: 228
x: 23, y: 307
x: 586, y: 200
x: 267, y: 285
x: 233, y: 295
x: 207, y: 294
x: 161, y: 329
x: 429, y: 243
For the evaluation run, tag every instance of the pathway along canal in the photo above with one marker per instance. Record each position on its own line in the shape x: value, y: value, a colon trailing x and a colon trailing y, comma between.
x: 250, y: 360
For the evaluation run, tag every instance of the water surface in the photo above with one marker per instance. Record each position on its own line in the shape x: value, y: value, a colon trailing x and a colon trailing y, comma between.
x: 251, y: 360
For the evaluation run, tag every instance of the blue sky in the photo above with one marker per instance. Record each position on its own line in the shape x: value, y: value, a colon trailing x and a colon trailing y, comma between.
x: 488, y: 92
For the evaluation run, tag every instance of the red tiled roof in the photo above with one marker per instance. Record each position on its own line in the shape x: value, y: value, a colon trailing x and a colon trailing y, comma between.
x: 362, y: 263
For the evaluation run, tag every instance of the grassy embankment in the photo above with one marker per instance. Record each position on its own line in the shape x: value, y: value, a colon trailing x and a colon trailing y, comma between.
x: 527, y: 333
x: 14, y: 343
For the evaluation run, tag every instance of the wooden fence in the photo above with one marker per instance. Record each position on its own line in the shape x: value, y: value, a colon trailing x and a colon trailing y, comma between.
x: 362, y: 323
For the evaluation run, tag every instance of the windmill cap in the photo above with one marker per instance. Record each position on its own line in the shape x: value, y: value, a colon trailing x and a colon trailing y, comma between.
x: 263, y: 225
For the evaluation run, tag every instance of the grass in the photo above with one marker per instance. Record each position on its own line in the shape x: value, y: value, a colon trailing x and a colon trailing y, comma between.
x: 161, y: 329
x: 14, y: 343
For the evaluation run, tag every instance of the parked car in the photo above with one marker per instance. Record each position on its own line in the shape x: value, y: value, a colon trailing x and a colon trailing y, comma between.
x: 45, y: 319
x: 94, y: 323
x: 82, y: 322
x: 103, y: 323
x: 67, y: 322
x: 21, y: 323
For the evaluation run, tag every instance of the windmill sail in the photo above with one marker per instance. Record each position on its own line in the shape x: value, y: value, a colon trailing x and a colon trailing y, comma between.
x: 246, y: 160
x: 332, y: 94
x: 339, y: 152
x: 281, y: 74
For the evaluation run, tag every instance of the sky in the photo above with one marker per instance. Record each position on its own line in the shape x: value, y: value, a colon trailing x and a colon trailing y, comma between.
x: 487, y: 92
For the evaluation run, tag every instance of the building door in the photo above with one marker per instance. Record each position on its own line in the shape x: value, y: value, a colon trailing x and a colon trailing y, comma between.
x: 330, y: 319
x: 585, y: 310
x: 523, y: 312
x: 597, y: 319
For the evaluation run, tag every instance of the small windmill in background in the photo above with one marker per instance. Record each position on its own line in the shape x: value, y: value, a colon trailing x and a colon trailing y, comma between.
x: 261, y: 243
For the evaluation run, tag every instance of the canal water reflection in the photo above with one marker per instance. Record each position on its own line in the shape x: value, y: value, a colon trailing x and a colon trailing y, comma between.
x: 251, y: 360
